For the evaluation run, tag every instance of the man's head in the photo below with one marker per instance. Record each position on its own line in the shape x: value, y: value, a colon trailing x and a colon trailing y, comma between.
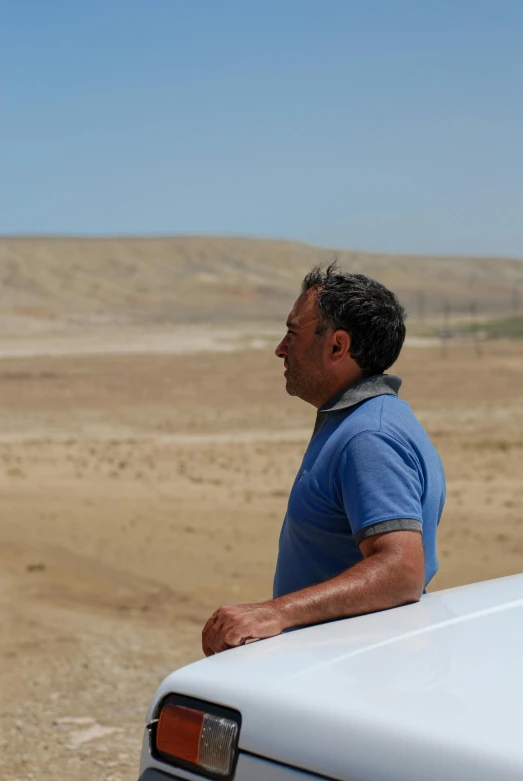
x: 343, y: 327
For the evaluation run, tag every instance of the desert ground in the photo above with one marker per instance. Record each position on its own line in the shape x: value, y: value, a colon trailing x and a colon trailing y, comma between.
x: 142, y: 488
x: 147, y: 448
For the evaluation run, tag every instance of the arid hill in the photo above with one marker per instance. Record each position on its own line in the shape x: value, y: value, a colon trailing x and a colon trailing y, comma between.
x: 185, y: 278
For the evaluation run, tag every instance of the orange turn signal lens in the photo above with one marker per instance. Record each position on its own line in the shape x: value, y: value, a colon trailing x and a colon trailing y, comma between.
x: 179, y: 731
x: 203, y: 739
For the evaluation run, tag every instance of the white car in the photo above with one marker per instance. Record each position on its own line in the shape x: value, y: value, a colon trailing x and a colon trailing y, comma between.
x: 426, y: 692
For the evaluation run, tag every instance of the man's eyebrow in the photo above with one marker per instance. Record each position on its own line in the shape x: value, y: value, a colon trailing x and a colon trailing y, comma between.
x: 291, y: 324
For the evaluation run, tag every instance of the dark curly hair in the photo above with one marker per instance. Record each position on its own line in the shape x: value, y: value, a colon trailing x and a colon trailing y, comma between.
x: 369, y: 312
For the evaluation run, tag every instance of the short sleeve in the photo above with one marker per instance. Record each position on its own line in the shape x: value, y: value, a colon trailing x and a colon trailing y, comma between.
x: 381, y: 483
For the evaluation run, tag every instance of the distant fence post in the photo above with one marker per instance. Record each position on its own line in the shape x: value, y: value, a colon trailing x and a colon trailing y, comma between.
x: 422, y: 305
x: 474, y: 328
x: 515, y: 300
x: 445, y: 330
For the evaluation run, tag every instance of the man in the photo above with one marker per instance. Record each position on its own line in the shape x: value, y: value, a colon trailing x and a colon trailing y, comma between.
x: 360, y: 530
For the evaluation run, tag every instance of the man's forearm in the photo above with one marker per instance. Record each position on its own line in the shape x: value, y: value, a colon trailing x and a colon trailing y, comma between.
x: 375, y: 583
x: 392, y: 573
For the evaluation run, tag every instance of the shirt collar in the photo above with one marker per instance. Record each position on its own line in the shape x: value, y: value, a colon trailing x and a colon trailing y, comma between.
x: 377, y: 385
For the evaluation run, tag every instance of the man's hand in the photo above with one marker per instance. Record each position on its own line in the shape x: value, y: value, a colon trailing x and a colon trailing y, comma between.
x: 233, y: 625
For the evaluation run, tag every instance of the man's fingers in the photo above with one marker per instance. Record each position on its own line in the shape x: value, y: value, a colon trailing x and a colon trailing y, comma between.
x: 216, y: 638
x: 207, y: 627
x: 226, y: 639
x: 216, y: 632
x: 208, y: 634
x: 224, y: 634
x: 235, y: 637
x: 215, y: 628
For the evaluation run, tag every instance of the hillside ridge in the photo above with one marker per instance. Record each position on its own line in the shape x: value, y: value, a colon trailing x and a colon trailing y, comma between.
x: 184, y: 278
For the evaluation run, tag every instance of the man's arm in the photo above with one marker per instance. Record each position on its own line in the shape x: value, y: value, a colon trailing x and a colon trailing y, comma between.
x: 392, y: 573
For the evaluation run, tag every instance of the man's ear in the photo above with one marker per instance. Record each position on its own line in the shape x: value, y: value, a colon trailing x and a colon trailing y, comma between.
x: 340, y: 346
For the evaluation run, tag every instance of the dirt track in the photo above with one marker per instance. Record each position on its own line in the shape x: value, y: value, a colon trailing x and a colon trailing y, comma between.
x: 141, y: 491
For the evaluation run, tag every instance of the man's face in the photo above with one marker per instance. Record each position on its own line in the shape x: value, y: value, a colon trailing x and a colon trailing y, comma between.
x: 303, y: 351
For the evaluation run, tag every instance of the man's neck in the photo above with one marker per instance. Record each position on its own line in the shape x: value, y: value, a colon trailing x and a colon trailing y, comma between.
x: 338, y: 386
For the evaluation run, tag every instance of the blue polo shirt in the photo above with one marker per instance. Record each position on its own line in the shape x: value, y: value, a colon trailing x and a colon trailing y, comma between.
x: 370, y: 467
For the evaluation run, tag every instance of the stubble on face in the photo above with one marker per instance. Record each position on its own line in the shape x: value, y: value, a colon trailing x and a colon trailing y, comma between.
x: 305, y: 375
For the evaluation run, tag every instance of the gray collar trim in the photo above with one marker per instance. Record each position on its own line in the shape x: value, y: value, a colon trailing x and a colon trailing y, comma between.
x: 377, y: 385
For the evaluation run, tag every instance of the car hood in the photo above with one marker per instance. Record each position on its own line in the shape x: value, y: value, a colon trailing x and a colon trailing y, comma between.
x: 426, y: 691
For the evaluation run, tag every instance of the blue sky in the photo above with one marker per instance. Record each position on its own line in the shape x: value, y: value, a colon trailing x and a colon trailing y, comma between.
x: 391, y: 125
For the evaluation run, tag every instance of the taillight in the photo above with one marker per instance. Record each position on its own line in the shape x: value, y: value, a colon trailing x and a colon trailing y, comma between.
x: 198, y: 736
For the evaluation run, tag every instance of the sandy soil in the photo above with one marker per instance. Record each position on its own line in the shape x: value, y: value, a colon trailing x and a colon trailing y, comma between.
x: 141, y: 491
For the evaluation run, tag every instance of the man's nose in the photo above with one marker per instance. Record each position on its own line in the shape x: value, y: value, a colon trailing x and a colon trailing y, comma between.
x: 281, y: 350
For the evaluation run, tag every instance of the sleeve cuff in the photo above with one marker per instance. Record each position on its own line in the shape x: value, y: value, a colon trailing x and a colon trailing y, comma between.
x: 394, y: 525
